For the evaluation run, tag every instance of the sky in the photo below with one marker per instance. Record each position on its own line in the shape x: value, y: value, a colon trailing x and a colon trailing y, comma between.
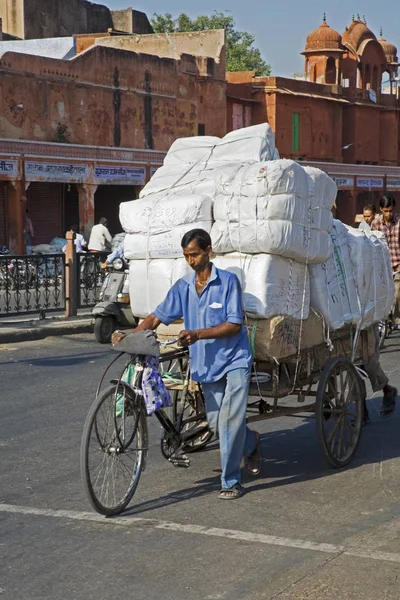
x: 280, y: 28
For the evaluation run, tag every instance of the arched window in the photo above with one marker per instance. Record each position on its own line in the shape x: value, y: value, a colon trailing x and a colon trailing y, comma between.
x: 330, y: 71
x: 359, y: 83
x: 367, y: 77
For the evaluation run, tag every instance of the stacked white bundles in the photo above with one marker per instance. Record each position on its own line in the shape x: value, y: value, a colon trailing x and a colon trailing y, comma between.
x: 156, y: 225
x: 150, y: 280
x: 333, y: 286
x: 383, y: 284
x: 275, y: 207
x: 271, y: 285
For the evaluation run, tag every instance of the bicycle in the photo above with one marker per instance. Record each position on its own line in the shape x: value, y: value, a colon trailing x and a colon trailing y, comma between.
x: 114, y: 443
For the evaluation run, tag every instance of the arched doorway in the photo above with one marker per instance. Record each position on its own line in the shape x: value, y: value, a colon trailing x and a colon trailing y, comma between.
x: 330, y: 71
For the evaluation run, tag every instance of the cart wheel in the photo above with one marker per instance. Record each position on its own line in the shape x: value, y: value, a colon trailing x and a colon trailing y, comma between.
x: 339, y: 411
x: 113, y: 449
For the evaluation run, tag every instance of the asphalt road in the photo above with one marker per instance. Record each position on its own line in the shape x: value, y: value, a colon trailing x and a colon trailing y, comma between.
x: 303, y: 530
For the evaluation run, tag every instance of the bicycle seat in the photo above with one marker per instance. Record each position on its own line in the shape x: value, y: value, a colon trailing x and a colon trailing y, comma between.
x: 143, y: 343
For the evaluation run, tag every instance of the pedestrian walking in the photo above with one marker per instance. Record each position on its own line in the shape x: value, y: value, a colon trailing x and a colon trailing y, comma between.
x: 29, y: 233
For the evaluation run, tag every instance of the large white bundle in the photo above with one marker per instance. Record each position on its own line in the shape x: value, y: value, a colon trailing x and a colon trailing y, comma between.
x: 160, y: 214
x: 382, y: 283
x: 333, y: 287
x: 161, y: 245
x: 286, y: 207
x: 249, y: 144
x: 150, y: 280
x: 361, y: 251
x: 266, y: 178
x: 325, y: 189
x: 271, y: 285
x: 175, y: 179
x: 190, y: 150
x: 280, y: 237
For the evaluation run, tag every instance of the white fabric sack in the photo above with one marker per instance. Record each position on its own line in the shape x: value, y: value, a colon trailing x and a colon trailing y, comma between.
x: 287, y: 207
x: 325, y: 188
x: 383, y: 284
x: 190, y: 150
x: 197, y: 178
x: 266, y: 178
x: 281, y: 237
x: 333, y: 287
x: 160, y: 245
x: 150, y: 281
x: 361, y: 251
x: 271, y: 285
x: 249, y: 144
x: 161, y: 214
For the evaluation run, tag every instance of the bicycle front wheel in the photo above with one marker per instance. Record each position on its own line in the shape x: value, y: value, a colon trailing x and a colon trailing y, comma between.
x: 113, y: 449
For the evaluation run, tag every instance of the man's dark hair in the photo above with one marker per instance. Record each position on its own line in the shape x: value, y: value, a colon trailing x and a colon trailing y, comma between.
x: 103, y: 221
x: 387, y: 202
x: 74, y: 227
x: 370, y: 207
x: 201, y: 236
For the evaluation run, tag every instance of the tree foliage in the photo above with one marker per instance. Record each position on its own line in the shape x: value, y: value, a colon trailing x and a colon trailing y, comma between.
x: 241, y: 55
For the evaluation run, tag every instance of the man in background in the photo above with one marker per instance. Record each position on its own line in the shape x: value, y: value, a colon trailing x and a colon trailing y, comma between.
x: 369, y: 214
x: 100, y: 238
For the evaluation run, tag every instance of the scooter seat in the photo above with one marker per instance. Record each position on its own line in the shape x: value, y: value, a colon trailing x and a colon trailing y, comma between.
x: 143, y: 343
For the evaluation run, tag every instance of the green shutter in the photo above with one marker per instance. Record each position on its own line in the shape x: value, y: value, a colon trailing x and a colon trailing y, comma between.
x: 296, y: 132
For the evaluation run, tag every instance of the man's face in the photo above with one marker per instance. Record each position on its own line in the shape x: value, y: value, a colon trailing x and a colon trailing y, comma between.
x: 387, y: 214
x: 369, y: 216
x: 197, y: 258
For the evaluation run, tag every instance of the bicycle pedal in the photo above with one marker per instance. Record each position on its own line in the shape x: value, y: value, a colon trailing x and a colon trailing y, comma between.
x: 180, y: 461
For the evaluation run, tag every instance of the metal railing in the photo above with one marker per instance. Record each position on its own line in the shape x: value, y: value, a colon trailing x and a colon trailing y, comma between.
x: 90, y: 277
x: 31, y: 284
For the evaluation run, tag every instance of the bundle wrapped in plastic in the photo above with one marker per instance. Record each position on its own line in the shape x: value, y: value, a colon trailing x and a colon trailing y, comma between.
x: 371, y: 263
x: 333, y: 287
x: 280, y: 237
x: 271, y: 285
x: 156, y: 225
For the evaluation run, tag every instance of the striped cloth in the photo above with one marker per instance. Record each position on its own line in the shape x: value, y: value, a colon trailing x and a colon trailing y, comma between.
x: 392, y: 235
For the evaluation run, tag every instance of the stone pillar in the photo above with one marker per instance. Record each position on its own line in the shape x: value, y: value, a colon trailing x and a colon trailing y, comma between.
x: 86, y: 208
x: 16, y: 201
x: 71, y: 303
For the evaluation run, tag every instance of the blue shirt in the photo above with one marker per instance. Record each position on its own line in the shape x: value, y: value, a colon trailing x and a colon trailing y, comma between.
x: 219, y: 302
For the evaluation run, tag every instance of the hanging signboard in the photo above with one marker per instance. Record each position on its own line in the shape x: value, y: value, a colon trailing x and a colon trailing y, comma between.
x: 370, y: 182
x: 42, y: 171
x: 9, y: 168
x: 343, y: 182
x: 120, y: 175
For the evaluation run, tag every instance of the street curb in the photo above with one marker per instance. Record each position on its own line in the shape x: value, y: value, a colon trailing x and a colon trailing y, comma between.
x: 23, y: 334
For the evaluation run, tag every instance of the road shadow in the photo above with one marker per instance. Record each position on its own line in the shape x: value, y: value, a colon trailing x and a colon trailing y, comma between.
x: 292, y: 456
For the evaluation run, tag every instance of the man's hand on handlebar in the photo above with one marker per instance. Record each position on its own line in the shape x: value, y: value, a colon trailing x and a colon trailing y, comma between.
x: 117, y: 336
x: 187, y: 338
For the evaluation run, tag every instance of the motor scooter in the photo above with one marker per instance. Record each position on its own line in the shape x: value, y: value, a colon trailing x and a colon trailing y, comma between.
x: 113, y: 309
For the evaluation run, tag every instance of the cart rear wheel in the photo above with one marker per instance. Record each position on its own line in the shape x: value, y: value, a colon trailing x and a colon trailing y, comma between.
x: 339, y: 411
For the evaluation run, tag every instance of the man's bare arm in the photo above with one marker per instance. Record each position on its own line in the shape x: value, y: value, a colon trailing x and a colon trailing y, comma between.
x: 187, y: 338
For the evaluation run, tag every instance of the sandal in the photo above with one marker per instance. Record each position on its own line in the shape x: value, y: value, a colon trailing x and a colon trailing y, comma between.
x: 237, y: 491
x: 388, y: 404
x: 253, y: 462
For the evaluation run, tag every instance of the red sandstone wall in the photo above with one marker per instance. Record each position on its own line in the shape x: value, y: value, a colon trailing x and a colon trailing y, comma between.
x: 100, y: 97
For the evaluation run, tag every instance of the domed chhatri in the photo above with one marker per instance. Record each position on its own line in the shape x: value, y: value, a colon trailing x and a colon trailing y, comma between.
x: 323, y: 38
x: 389, y: 49
x: 356, y: 33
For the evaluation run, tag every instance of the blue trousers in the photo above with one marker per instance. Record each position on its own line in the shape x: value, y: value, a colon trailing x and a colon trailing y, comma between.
x: 226, y: 403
